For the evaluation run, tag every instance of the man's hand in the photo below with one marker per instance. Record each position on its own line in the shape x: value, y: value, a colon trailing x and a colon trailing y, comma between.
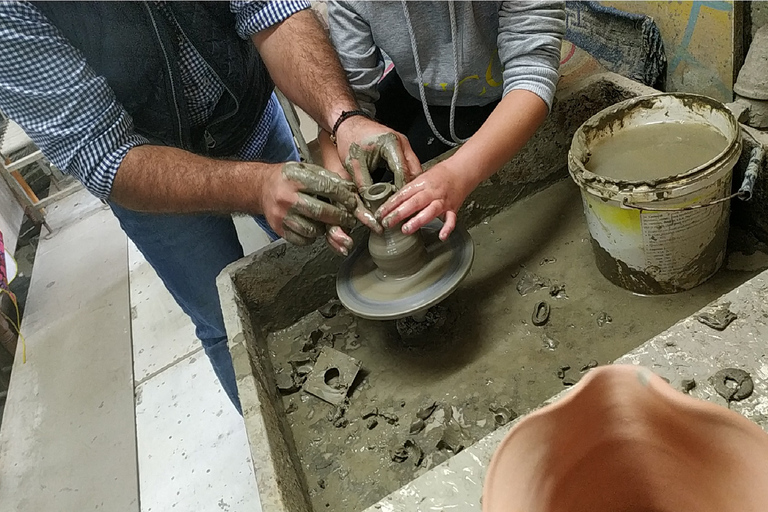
x: 160, y: 179
x: 364, y: 144
x: 292, y: 211
x: 439, y: 192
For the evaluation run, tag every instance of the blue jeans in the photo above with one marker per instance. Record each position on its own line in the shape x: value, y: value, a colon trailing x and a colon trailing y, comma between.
x: 189, y: 251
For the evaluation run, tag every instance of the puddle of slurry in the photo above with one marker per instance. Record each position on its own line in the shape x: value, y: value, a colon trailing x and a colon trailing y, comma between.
x: 486, y: 354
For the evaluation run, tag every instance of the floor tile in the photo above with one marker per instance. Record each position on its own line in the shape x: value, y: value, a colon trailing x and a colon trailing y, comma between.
x: 193, y: 451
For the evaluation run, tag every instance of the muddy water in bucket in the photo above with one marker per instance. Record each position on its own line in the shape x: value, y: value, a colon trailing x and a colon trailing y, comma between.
x: 655, y: 151
x: 655, y: 173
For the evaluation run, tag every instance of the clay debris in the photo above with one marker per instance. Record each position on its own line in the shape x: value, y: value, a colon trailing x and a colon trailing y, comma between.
x: 435, y: 433
x: 337, y: 415
x: 308, y: 350
x: 288, y: 382
x: 374, y: 413
x: 502, y: 414
x: 410, y: 329
x: 717, y: 317
x: 549, y: 342
x: 541, y: 312
x: 733, y: 384
x: 425, y: 412
x: 603, y: 318
x: 332, y: 376
x: 530, y: 282
x: 558, y: 291
x: 330, y: 309
x: 408, y: 450
x: 567, y: 380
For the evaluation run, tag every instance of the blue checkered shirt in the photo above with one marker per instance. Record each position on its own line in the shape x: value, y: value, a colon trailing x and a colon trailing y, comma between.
x: 72, y: 114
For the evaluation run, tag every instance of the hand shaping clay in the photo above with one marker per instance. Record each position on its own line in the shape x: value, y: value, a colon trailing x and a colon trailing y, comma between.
x: 402, y: 275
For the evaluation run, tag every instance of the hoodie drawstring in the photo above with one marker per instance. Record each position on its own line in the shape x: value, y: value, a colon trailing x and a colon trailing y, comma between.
x: 422, y: 93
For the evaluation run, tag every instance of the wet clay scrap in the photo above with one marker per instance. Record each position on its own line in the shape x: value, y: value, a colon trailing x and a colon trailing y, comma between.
x: 333, y: 375
x: 733, y: 384
x: 395, y: 275
x: 717, y: 317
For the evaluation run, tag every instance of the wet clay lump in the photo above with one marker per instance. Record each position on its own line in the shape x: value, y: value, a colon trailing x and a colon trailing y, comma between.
x: 401, y: 275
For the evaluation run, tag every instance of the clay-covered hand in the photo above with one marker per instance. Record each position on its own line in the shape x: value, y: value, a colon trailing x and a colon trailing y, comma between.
x: 438, y: 192
x: 364, y: 144
x: 292, y: 205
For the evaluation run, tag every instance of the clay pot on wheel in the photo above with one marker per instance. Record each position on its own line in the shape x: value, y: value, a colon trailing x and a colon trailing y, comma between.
x: 625, y: 440
x: 395, y: 254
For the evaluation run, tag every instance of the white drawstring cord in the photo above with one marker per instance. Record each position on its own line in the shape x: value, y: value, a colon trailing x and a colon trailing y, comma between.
x: 419, y: 77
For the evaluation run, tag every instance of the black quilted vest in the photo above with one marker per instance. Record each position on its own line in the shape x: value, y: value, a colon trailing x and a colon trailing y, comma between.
x: 134, y: 46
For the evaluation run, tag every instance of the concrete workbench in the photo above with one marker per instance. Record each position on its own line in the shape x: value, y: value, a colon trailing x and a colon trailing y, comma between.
x: 687, y: 350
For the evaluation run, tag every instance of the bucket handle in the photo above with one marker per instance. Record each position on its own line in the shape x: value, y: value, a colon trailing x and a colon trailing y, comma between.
x: 744, y: 193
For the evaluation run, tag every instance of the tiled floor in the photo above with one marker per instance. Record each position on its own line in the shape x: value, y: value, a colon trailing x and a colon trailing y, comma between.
x: 101, y: 326
x: 193, y: 453
x: 192, y: 450
x: 162, y: 333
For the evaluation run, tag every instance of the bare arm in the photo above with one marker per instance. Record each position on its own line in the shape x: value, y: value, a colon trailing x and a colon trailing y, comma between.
x: 161, y: 179
x: 330, y: 155
x: 164, y: 179
x: 509, y: 127
x: 304, y: 66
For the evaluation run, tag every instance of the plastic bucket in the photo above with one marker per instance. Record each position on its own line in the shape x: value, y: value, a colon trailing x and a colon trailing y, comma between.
x: 666, y: 234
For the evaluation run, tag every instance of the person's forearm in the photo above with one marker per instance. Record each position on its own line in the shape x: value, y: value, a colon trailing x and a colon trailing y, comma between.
x: 305, y: 67
x: 509, y: 127
x: 330, y: 155
x: 169, y: 180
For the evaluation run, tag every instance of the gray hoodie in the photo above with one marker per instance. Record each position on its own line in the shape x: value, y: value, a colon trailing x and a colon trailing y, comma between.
x: 500, y: 47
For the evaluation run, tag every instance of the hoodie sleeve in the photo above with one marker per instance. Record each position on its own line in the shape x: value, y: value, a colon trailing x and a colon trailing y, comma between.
x: 530, y: 35
x: 358, y: 53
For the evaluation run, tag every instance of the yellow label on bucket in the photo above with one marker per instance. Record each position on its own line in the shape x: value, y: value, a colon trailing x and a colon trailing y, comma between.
x: 626, y: 220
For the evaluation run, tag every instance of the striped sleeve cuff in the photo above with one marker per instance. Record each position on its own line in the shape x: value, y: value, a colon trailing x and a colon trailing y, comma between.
x: 253, y: 17
x: 95, y: 165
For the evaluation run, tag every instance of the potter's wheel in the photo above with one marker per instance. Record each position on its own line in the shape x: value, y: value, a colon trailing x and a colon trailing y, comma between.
x: 366, y: 292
